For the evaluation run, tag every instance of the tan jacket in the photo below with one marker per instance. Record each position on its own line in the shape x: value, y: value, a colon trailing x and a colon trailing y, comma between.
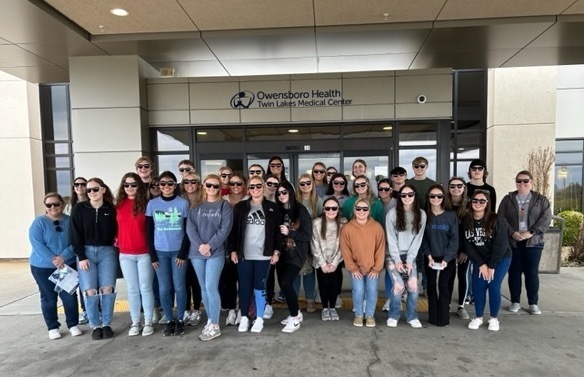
x: 363, y: 246
x: 326, y: 251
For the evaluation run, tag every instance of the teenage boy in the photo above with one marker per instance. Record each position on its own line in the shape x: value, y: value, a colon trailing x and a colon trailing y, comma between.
x: 185, y: 167
x: 477, y: 172
x: 398, y: 177
x: 420, y: 181
x: 359, y: 169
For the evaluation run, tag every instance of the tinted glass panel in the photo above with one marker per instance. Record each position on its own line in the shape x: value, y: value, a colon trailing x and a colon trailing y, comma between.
x: 568, y: 145
x: 60, y: 108
x: 173, y: 140
x: 170, y: 162
x: 417, y: 134
x: 568, y: 158
x: 292, y: 133
x: 205, y: 135
x: 367, y: 131
x: 568, y: 188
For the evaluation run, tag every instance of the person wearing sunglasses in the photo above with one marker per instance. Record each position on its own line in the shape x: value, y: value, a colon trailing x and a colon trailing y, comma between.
x: 208, y: 227
x: 186, y: 167
x: 398, y: 177
x: 49, y: 238
x: 307, y: 195
x: 362, y: 190
x: 225, y: 173
x: 168, y: 246
x: 134, y: 258
x: 254, y: 245
x: 486, y: 242
x: 277, y: 169
x: 330, y: 171
x: 318, y: 173
x: 327, y: 256
x: 439, y: 248
x: 297, y: 232
x: 420, y: 181
x: 457, y: 197
x: 153, y: 188
x: 385, y: 195
x: 337, y: 187
x: 527, y: 214
x: 362, y: 243
x: 256, y: 170
x: 145, y: 169
x: 477, y: 173
x: 405, y: 230
x: 272, y: 183
x: 93, y: 230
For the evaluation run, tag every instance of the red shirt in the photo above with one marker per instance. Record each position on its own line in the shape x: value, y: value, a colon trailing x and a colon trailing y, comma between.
x: 131, y: 229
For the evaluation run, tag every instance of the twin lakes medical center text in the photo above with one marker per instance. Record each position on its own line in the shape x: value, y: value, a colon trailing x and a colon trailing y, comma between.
x: 331, y: 97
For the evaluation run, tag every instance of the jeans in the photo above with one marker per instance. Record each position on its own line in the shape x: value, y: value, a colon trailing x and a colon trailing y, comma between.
x: 49, y: 299
x: 398, y: 288
x: 287, y: 272
x: 328, y: 286
x: 101, y: 275
x: 139, y: 275
x: 171, y: 276
x: 494, y: 287
x: 388, y: 283
x: 309, y: 281
x: 525, y: 260
x: 208, y: 272
x: 364, y: 288
x: 253, y: 277
x: 439, y: 293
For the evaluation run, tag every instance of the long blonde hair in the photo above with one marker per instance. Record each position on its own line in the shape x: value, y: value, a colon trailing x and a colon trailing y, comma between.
x: 312, y: 199
x: 197, y: 197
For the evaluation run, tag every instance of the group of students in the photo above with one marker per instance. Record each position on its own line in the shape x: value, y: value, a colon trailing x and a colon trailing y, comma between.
x: 225, y: 239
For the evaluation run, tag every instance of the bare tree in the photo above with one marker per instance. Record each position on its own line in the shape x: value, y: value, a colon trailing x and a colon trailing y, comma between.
x: 540, y: 162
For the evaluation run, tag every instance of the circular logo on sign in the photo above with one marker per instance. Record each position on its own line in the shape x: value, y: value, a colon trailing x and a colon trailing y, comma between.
x: 242, y: 100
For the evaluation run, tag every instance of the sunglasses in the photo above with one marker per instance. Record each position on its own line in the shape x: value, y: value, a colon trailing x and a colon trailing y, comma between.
x: 477, y: 168
x: 362, y: 184
x: 93, y: 189
x: 317, y: 171
x: 130, y: 184
x: 275, y: 165
x: 359, y: 209
x: 143, y: 166
x: 305, y: 183
x: 190, y: 181
x: 420, y: 166
x: 51, y: 205
x: 239, y: 183
x: 434, y: 196
x: 456, y: 185
x: 283, y: 192
x: 331, y: 173
x: 182, y: 170
x: 522, y: 181
x: 82, y: 184
x: 331, y: 209
x: 479, y: 201
x: 209, y: 185
x: 408, y: 194
x: 154, y: 186
x: 398, y: 175
x: 57, y: 225
x: 384, y: 188
x: 255, y: 187
x: 339, y: 183
x: 255, y: 172
x: 225, y: 175
x: 272, y: 184
x: 166, y: 183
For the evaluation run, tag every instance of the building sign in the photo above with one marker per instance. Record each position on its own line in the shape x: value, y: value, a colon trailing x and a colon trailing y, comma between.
x: 310, y: 98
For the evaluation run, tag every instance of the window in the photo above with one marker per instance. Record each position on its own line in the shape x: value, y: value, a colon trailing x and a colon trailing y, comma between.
x: 569, y: 172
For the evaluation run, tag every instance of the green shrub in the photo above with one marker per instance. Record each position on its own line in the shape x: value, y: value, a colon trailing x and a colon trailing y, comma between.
x: 573, y: 224
x: 577, y: 250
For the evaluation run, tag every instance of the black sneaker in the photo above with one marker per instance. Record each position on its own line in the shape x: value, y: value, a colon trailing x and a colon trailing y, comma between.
x: 180, y: 328
x: 169, y: 330
x: 97, y: 333
x: 107, y: 332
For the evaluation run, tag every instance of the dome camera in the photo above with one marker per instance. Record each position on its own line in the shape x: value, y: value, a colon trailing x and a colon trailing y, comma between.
x: 422, y: 98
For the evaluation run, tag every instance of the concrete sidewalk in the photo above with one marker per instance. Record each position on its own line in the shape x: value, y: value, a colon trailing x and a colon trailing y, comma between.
x: 526, y: 345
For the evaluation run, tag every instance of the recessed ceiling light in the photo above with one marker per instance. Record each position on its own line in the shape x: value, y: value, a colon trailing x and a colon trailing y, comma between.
x: 201, y: 133
x: 119, y: 12
x: 293, y: 131
x: 387, y: 128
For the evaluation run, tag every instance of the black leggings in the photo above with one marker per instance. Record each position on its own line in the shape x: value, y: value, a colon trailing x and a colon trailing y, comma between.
x: 228, y: 285
x: 287, y: 272
x: 193, y: 288
x: 438, y: 293
x: 461, y: 272
x: 328, y: 286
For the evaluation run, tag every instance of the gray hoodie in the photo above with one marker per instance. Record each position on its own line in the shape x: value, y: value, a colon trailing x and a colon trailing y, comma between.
x: 209, y: 223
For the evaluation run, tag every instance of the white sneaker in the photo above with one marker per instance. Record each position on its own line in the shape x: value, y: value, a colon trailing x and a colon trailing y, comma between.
x: 258, y: 325
x: 534, y: 309
x: 339, y: 303
x: 475, y: 323
x: 155, y: 316
x: 386, y: 306
x: 54, y: 334
x: 238, y: 318
x: 244, y: 324
x: 268, y: 312
x: 493, y: 324
x: 230, y: 320
x: 148, y: 329
x: 134, y: 330
x: 163, y: 320
x: 415, y: 323
x: 287, y: 319
x: 293, y: 324
x: 391, y: 322
x: 334, y: 314
x: 194, y: 318
x: 186, y: 317
x: 514, y: 308
x: 83, y: 318
x: 206, y: 327
x: 75, y: 331
x: 326, y: 314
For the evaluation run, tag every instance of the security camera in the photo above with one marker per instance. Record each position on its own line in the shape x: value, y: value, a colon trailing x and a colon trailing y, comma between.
x: 422, y: 98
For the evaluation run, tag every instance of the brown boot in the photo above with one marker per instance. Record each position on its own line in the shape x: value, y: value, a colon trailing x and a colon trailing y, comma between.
x: 310, y: 307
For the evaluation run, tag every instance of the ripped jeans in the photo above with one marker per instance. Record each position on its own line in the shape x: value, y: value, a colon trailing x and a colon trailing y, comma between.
x: 411, y: 284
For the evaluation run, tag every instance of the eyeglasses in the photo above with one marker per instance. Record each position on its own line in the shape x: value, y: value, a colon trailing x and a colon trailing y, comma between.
x: 436, y: 196
x: 331, y: 209
x: 255, y: 187
x: 477, y: 168
x: 359, y: 209
x: 143, y: 166
x: 362, y: 184
x: 130, y: 184
x: 154, y: 186
x: 275, y: 165
x: 57, y: 225
x: 420, y: 166
x: 255, y: 172
x: 166, y: 183
x: 225, y: 175
x: 456, y: 185
x: 182, y: 170
x: 398, y: 175
x: 384, y: 188
x: 190, y: 181
x: 283, y: 192
x: 339, y: 183
x: 408, y: 194
x: 272, y: 184
x: 82, y: 184
x: 479, y: 201
x: 522, y: 181
x: 318, y: 171
x: 51, y: 205
x: 93, y: 189
x: 305, y: 183
x: 239, y: 183
x: 209, y: 185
